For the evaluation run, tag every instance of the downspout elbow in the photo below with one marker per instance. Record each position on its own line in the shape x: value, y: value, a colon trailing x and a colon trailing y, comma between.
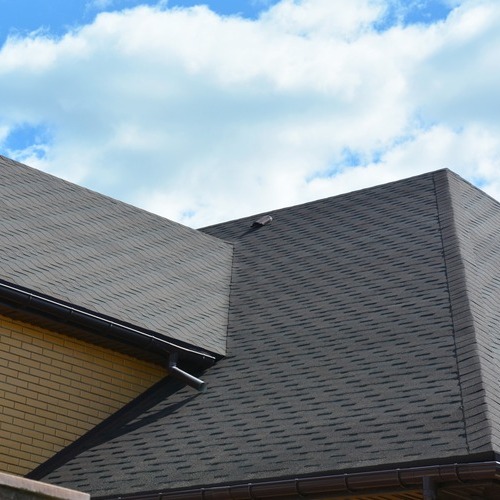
x: 183, y: 376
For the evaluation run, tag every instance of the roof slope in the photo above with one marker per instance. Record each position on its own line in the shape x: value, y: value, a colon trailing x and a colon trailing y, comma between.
x: 345, y: 351
x: 110, y: 258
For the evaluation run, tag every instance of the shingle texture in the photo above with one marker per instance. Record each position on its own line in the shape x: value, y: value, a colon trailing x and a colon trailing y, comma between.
x: 351, y: 343
x: 85, y: 249
x: 477, y: 224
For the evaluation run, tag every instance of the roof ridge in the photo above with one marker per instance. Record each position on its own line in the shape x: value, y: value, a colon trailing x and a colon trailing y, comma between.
x: 354, y: 192
x: 464, y: 332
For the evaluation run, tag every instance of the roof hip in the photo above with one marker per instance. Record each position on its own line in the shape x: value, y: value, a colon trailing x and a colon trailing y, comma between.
x: 470, y: 222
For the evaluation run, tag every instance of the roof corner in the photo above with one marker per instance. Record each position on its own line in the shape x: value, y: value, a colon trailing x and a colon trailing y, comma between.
x: 462, y: 219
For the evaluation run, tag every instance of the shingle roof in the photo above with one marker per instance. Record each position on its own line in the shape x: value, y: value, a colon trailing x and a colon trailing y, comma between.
x: 476, y: 307
x: 82, y: 248
x: 363, y: 331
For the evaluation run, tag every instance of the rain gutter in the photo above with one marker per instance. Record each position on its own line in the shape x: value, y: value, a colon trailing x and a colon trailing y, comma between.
x: 22, y: 299
x: 424, y: 478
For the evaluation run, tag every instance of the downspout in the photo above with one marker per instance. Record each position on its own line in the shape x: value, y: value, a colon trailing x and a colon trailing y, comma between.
x: 429, y: 488
x: 183, y: 376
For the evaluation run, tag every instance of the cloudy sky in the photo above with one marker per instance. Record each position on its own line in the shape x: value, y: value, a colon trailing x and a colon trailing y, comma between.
x: 204, y: 113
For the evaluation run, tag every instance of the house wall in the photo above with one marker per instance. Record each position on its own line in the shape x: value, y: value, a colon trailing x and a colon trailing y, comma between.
x: 54, y: 388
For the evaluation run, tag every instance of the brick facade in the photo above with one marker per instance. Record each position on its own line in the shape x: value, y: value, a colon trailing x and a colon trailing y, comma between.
x: 54, y: 388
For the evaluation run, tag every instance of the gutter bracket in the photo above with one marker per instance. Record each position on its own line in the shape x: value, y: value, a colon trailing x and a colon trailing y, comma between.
x: 183, y: 376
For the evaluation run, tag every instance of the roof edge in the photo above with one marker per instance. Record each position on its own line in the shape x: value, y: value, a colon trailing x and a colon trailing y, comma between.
x: 18, y: 298
x: 276, y: 210
x: 335, y: 484
x: 111, y: 199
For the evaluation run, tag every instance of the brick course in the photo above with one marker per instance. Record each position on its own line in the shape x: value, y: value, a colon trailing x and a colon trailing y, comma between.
x: 55, y: 388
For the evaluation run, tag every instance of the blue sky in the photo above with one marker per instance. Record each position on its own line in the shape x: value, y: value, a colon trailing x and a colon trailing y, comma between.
x: 57, y: 16
x: 20, y: 17
x: 205, y: 113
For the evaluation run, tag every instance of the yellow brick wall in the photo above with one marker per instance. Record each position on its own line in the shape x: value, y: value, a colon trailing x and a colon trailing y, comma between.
x: 54, y: 388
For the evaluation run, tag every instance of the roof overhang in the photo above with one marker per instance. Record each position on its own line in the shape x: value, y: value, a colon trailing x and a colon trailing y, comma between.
x: 98, y: 329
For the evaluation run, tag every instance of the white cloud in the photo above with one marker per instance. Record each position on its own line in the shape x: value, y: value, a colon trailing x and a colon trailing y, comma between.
x: 4, y: 133
x: 457, y: 83
x: 324, y: 18
x: 204, y: 118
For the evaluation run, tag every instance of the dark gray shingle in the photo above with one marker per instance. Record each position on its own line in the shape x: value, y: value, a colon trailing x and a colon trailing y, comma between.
x: 352, y: 343
x: 476, y: 223
x: 85, y: 249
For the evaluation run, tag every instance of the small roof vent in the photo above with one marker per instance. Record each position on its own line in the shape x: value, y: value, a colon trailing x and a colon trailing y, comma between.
x: 262, y: 221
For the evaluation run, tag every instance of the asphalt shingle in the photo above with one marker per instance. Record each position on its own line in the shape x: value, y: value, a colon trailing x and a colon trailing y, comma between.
x: 477, y: 227
x: 87, y: 250
x: 354, y: 341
